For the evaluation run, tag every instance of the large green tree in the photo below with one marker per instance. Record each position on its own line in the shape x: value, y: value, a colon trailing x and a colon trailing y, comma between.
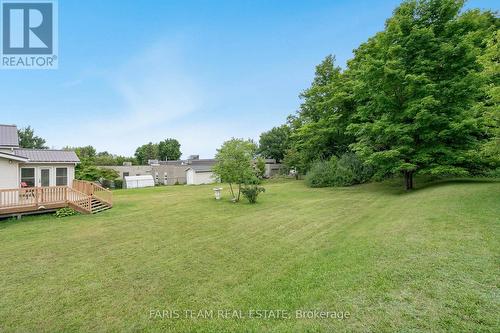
x: 147, y: 152
x: 235, y: 163
x: 416, y: 85
x: 319, y: 127
x: 275, y: 142
x: 491, y: 105
x: 28, y: 139
x: 169, y: 149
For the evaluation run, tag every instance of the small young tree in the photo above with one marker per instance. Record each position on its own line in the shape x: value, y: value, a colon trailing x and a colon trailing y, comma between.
x: 234, y: 163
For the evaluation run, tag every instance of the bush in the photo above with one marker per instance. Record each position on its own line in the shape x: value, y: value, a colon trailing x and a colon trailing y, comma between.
x: 251, y: 192
x: 346, y: 171
x: 118, y: 183
x: 63, y: 212
x: 322, y: 174
x: 106, y: 183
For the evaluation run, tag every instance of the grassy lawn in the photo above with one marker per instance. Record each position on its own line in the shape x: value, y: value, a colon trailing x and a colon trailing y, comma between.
x: 426, y: 260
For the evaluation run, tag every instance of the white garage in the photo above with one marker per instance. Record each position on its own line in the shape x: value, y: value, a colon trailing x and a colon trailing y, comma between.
x: 199, y: 174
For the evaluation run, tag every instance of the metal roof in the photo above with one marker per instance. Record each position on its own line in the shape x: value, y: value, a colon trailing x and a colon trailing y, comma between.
x: 48, y: 155
x: 13, y: 157
x: 8, y: 136
x: 200, y: 168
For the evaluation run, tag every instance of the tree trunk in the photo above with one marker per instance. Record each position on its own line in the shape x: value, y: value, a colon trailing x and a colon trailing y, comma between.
x: 231, y: 188
x: 239, y: 191
x: 408, y: 180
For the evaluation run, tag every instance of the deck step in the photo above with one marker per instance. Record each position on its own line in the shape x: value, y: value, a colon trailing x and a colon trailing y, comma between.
x: 99, y: 206
x: 95, y: 211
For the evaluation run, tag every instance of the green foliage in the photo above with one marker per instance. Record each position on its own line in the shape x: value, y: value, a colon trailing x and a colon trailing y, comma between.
x: 322, y: 174
x: 105, y: 158
x: 235, y: 163
x: 319, y: 128
x: 87, y: 153
x: 260, y: 167
x: 118, y: 183
x: 66, y: 211
x: 275, y: 142
x: 147, y: 152
x: 345, y: 171
x: 169, y: 149
x: 251, y: 192
x: 416, y: 84
x: 491, y: 105
x: 93, y: 173
x: 420, y: 97
x: 296, y: 160
x: 28, y: 139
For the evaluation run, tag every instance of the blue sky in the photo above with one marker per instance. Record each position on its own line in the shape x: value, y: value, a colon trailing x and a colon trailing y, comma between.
x: 131, y: 72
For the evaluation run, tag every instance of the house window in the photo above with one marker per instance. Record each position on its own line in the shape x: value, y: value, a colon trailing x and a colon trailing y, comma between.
x: 61, y: 176
x: 27, y: 177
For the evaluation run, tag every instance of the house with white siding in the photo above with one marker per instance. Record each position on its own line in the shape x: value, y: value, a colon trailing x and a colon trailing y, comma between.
x: 21, y: 167
x: 42, y: 180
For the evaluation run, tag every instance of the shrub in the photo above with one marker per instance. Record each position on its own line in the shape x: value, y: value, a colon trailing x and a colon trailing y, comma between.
x: 346, y: 171
x: 322, y: 173
x: 63, y: 212
x: 251, y: 192
x: 351, y: 170
x: 118, y: 183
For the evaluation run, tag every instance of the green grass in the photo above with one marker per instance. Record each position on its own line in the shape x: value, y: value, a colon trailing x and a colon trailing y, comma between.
x: 420, y: 261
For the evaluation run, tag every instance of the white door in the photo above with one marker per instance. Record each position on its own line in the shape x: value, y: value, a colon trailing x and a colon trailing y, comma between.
x: 44, y: 177
x: 189, y: 177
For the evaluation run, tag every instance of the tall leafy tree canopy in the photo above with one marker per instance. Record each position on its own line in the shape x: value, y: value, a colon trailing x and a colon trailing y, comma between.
x: 419, y: 97
x: 416, y: 84
x: 275, y: 142
x: 147, y: 152
x: 491, y: 105
x: 319, y: 127
x: 169, y: 149
x: 28, y: 139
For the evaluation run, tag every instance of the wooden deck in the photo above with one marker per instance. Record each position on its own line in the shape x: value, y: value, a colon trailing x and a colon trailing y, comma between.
x: 84, y: 197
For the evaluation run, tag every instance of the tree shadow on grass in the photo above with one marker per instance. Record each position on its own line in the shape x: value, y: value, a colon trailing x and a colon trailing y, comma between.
x: 455, y: 181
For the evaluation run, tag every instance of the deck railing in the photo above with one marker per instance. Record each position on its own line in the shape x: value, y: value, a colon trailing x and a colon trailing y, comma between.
x: 33, y: 196
x: 81, y: 196
x: 93, y: 189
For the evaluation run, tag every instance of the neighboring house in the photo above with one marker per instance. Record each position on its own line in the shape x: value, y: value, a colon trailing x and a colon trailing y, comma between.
x: 131, y: 170
x: 199, y: 174
x: 199, y: 171
x: 169, y: 172
x: 33, y: 167
x: 272, y: 168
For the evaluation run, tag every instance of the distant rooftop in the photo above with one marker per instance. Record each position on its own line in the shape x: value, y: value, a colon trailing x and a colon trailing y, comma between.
x: 200, y: 168
x: 8, y: 136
